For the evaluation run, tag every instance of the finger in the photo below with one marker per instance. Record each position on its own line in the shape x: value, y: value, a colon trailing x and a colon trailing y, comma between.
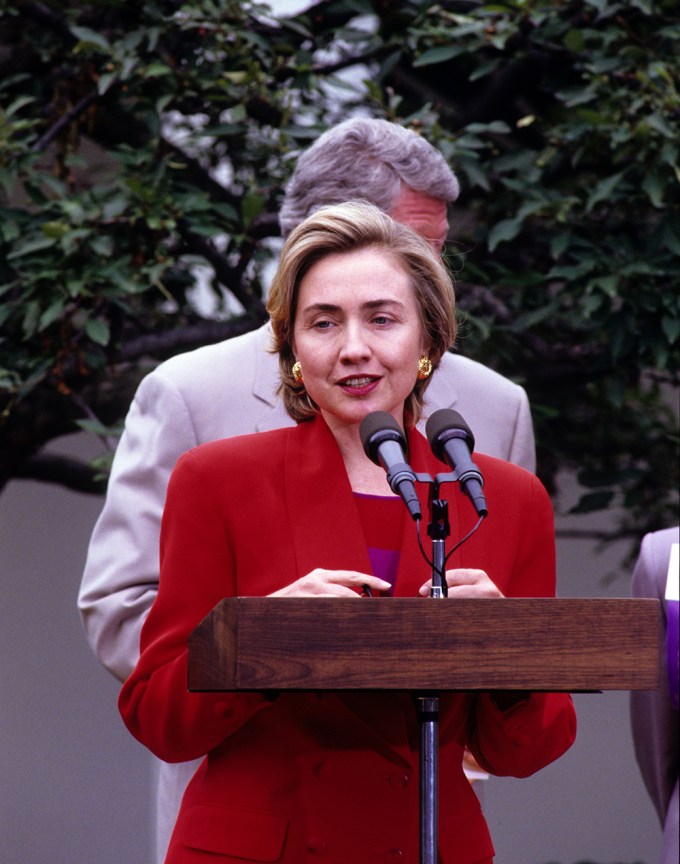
x: 465, y: 576
x: 482, y: 591
x: 479, y: 587
x: 311, y: 588
x: 355, y: 579
x: 465, y: 582
x: 460, y: 576
x: 335, y: 591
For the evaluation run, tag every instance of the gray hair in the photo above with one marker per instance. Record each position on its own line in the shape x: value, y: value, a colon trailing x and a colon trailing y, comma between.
x: 364, y: 158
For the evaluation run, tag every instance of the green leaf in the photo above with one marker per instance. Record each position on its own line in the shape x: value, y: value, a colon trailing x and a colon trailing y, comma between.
x: 655, y: 187
x: 645, y: 6
x: 156, y: 70
x: 90, y: 37
x: 438, y: 55
x: 98, y: 331
x: 572, y: 272
x: 114, y: 208
x: 28, y: 247
x: 504, y: 231
x: 496, y: 127
x: 574, y: 40
x: 671, y: 328
x: 657, y: 122
x: 559, y: 244
x: 607, y: 284
x: 16, y: 106
x: 106, y: 81
x: 251, y: 206
x: 529, y: 320
x: 31, y: 318
x: 55, y: 230
x: 671, y: 238
x: 96, y: 427
x: 102, y: 245
x: 593, y: 501
x: 475, y: 175
x: 51, y: 314
x: 603, y: 190
x: 485, y: 69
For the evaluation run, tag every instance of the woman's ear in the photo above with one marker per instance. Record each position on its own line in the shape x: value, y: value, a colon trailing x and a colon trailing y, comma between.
x: 426, y: 347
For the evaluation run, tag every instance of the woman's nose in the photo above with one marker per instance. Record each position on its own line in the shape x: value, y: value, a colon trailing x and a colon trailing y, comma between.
x: 355, y: 344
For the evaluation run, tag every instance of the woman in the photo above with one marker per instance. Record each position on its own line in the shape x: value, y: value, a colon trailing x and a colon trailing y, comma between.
x: 362, y: 311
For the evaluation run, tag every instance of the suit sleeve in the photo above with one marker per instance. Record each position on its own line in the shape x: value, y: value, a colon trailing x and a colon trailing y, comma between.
x: 197, y: 571
x: 120, y: 579
x: 522, y: 444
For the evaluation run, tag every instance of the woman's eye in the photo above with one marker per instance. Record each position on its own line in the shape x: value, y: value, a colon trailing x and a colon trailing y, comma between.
x: 382, y: 319
x: 322, y: 325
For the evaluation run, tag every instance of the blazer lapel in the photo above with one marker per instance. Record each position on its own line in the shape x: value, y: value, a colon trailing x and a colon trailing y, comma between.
x: 324, y: 517
x: 325, y: 528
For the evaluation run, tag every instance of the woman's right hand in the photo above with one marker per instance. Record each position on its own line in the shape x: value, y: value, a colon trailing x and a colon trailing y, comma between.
x: 332, y: 583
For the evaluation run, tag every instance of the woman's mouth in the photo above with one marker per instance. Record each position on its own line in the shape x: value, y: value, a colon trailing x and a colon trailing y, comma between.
x: 359, y: 384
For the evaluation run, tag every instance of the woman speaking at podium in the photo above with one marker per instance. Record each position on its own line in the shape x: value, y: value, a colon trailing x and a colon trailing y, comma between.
x: 362, y: 311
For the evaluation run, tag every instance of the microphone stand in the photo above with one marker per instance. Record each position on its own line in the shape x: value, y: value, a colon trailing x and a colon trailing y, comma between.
x: 428, y: 703
x: 378, y: 429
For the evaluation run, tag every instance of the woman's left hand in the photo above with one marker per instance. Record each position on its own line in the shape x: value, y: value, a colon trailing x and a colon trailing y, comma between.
x: 465, y: 582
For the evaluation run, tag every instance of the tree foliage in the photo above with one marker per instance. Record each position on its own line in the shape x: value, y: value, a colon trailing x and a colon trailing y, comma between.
x: 144, y: 149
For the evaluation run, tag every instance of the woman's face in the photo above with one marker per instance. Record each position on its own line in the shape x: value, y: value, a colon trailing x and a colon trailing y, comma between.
x: 358, y: 336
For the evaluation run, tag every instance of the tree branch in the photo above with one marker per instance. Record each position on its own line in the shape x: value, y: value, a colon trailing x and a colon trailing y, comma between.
x: 62, y: 471
x: 228, y: 276
x: 65, y: 119
x: 559, y: 362
x: 41, y: 12
x: 200, y: 177
x: 170, y: 342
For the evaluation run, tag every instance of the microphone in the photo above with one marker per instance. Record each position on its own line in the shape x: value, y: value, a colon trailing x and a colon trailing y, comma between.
x: 384, y: 443
x: 452, y: 442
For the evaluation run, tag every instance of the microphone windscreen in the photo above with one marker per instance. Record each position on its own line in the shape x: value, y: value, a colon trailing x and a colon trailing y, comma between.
x: 378, y: 421
x: 442, y: 423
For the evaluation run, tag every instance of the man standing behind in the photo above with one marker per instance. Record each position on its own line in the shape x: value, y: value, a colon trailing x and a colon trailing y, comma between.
x: 230, y: 388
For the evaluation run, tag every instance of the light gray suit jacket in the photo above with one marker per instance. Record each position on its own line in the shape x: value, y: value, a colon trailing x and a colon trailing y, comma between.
x: 216, y: 392
x: 654, y: 718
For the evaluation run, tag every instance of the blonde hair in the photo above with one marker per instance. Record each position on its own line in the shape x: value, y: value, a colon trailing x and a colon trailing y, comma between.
x: 348, y: 227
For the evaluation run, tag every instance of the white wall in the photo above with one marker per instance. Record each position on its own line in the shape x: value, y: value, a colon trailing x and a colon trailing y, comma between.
x: 591, y: 804
x: 75, y: 787
x: 73, y: 783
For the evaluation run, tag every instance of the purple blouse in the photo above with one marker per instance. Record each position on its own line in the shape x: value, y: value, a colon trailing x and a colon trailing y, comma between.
x: 381, y: 518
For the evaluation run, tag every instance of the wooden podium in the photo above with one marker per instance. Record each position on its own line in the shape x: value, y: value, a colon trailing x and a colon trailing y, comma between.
x: 265, y: 643
x: 426, y: 646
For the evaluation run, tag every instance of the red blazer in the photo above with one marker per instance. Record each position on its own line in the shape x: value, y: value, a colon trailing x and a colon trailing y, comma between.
x: 330, y: 775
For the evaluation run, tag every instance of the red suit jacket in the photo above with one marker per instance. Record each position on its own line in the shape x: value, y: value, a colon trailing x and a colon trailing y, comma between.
x: 325, y: 776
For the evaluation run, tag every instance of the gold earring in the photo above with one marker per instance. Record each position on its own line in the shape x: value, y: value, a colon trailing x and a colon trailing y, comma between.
x: 424, y: 368
x: 297, y: 372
